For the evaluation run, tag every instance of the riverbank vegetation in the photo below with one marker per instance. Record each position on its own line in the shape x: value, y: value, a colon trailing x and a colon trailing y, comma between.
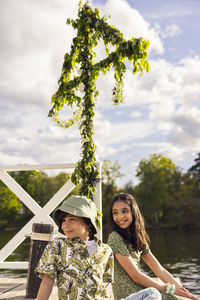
x: 168, y: 197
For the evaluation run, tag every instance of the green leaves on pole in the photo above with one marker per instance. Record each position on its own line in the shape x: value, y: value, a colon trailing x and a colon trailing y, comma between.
x: 80, y: 72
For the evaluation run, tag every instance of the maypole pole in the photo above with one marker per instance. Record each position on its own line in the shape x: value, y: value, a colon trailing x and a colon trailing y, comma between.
x: 80, y: 72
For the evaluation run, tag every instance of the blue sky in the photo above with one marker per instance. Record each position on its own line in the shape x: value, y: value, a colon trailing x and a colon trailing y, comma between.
x: 161, y: 111
x: 182, y: 13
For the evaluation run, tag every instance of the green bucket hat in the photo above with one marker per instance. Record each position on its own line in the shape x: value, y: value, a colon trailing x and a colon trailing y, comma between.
x: 79, y: 206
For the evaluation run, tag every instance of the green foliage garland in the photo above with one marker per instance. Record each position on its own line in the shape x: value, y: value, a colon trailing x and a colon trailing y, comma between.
x: 80, y: 72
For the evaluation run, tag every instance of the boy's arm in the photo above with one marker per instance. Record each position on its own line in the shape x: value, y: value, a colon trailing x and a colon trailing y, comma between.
x: 45, y: 288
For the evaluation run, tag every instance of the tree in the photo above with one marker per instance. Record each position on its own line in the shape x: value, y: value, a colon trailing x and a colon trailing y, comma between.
x: 195, y: 172
x: 183, y: 207
x: 195, y: 169
x: 111, y: 172
x: 152, y: 192
x: 9, y: 206
x: 26, y: 180
x: 80, y: 72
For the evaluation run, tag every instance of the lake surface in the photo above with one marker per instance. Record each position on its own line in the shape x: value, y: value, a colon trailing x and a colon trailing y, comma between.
x: 177, y: 251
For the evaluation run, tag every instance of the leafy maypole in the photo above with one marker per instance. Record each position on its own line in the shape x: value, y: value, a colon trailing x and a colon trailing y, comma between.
x: 80, y: 72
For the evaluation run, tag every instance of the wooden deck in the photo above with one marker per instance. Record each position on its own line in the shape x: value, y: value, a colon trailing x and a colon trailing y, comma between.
x: 15, y: 289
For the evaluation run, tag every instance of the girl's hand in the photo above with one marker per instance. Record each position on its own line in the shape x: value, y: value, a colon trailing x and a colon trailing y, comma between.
x: 194, y: 297
x: 181, y: 291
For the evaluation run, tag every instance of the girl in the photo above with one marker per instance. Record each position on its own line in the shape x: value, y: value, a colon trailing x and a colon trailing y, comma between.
x: 129, y: 241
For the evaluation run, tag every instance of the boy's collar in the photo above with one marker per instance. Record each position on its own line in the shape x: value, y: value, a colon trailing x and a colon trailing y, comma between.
x: 78, y: 240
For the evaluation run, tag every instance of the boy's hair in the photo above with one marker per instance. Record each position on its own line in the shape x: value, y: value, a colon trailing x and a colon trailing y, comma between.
x: 138, y: 238
x: 92, y: 230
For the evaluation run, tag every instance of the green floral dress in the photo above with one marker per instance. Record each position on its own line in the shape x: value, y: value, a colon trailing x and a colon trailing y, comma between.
x: 78, y: 275
x: 123, y: 285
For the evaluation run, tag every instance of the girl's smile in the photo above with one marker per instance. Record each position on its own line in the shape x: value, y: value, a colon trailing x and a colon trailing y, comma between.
x: 122, y: 215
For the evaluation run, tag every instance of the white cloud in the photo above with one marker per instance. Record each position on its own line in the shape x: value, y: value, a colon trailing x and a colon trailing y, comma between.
x: 49, y: 145
x: 171, y: 31
x: 136, y: 114
x: 187, y: 129
x: 15, y: 159
x: 168, y: 31
x: 130, y: 22
x: 172, y: 99
x: 175, y: 10
x: 31, y: 48
x: 166, y: 87
x: 122, y: 132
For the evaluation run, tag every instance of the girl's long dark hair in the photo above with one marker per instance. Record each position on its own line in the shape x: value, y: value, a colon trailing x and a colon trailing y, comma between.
x: 137, y: 235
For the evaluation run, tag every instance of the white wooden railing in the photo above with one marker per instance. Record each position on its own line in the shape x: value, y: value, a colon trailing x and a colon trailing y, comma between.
x: 41, y: 214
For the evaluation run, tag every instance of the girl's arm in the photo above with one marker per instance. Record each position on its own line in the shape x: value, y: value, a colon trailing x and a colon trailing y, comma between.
x: 128, y: 264
x: 158, y: 269
x: 165, y: 276
x: 137, y: 276
x: 45, y: 288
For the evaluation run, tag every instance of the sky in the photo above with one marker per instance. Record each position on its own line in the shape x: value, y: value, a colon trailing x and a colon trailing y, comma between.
x: 161, y: 110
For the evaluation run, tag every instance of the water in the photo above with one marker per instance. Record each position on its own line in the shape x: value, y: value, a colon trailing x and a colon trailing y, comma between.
x: 177, y: 251
x: 20, y: 254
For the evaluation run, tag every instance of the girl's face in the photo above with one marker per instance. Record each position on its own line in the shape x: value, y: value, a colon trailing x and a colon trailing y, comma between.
x: 122, y: 215
x: 74, y: 226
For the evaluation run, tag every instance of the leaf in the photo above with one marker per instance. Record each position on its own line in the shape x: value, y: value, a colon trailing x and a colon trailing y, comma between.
x: 135, y: 68
x: 68, y: 21
x: 145, y: 45
x: 146, y: 66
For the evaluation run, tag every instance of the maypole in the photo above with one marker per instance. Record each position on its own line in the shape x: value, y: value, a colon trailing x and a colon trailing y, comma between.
x: 80, y: 72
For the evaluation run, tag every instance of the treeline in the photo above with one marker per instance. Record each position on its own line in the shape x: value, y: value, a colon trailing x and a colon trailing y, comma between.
x: 168, y: 198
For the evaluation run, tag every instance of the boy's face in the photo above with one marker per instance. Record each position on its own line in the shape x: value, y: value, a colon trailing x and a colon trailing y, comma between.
x: 74, y: 226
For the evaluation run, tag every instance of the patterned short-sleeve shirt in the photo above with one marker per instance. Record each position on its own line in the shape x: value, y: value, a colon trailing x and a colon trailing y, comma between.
x: 78, y: 275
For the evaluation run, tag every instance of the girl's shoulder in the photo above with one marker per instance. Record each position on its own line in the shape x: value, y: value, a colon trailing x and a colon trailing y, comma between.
x: 115, y: 236
x: 117, y: 243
